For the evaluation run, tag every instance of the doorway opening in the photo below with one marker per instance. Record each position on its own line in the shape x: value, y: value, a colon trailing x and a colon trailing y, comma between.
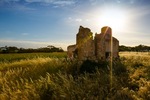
x: 107, y: 54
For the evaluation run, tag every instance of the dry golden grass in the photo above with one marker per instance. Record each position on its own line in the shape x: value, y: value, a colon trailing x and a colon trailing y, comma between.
x: 51, y: 78
x: 138, y: 65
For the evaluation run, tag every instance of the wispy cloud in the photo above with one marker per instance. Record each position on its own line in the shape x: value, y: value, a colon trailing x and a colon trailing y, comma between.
x: 2, y: 2
x: 65, y: 2
x: 32, y: 1
x: 55, y: 2
x: 144, y: 11
x: 77, y: 20
x: 9, y: 0
x: 23, y: 7
x: 25, y: 34
x: 93, y: 2
x: 15, y: 5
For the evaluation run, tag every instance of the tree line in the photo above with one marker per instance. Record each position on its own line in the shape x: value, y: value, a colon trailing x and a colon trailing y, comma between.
x: 139, y: 48
x: 50, y: 48
x: 13, y: 49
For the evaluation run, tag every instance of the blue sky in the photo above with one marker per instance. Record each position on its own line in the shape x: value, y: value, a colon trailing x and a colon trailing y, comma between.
x: 38, y: 23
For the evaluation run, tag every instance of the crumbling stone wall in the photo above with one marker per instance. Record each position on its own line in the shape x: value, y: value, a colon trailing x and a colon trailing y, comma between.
x: 71, y: 51
x: 115, y: 48
x: 85, y: 44
x: 99, y: 48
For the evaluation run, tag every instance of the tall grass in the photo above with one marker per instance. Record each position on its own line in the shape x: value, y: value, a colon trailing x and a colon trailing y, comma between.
x: 55, y: 78
x: 22, y: 56
x: 138, y: 65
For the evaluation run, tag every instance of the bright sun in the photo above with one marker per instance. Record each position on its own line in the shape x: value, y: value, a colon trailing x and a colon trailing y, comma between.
x: 116, y: 19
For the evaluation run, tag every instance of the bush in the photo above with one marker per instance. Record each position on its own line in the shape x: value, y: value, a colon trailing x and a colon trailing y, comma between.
x: 91, y: 66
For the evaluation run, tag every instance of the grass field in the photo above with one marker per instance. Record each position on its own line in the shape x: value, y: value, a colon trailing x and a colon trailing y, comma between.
x: 23, y: 56
x: 49, y: 76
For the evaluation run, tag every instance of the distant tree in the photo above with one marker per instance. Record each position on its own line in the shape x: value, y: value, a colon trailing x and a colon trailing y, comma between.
x: 12, y: 49
x: 21, y: 50
x: 124, y: 48
x: 50, y: 46
x: 139, y: 48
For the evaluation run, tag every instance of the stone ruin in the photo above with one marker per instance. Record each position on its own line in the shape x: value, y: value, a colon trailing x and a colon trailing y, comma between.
x: 101, y: 47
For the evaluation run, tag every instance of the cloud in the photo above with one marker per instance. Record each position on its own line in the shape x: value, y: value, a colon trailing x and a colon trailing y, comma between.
x: 23, y: 7
x: 93, y: 2
x: 55, y: 2
x: 70, y: 19
x: 10, y: 0
x: 25, y: 34
x: 78, y: 20
x: 2, y: 2
x: 45, y: 1
x: 15, y: 5
x: 65, y: 2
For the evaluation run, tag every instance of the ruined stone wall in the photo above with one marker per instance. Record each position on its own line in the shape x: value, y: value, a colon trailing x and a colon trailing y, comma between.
x: 98, y: 49
x: 108, y: 45
x: 108, y: 38
x: 115, y: 48
x: 71, y: 51
x: 103, y: 43
x: 85, y: 43
x: 106, y: 30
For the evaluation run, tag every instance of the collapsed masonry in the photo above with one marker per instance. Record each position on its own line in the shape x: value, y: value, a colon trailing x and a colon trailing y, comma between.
x: 100, y: 48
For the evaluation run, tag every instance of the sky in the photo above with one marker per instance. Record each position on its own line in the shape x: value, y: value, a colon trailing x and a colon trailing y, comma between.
x: 39, y: 23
